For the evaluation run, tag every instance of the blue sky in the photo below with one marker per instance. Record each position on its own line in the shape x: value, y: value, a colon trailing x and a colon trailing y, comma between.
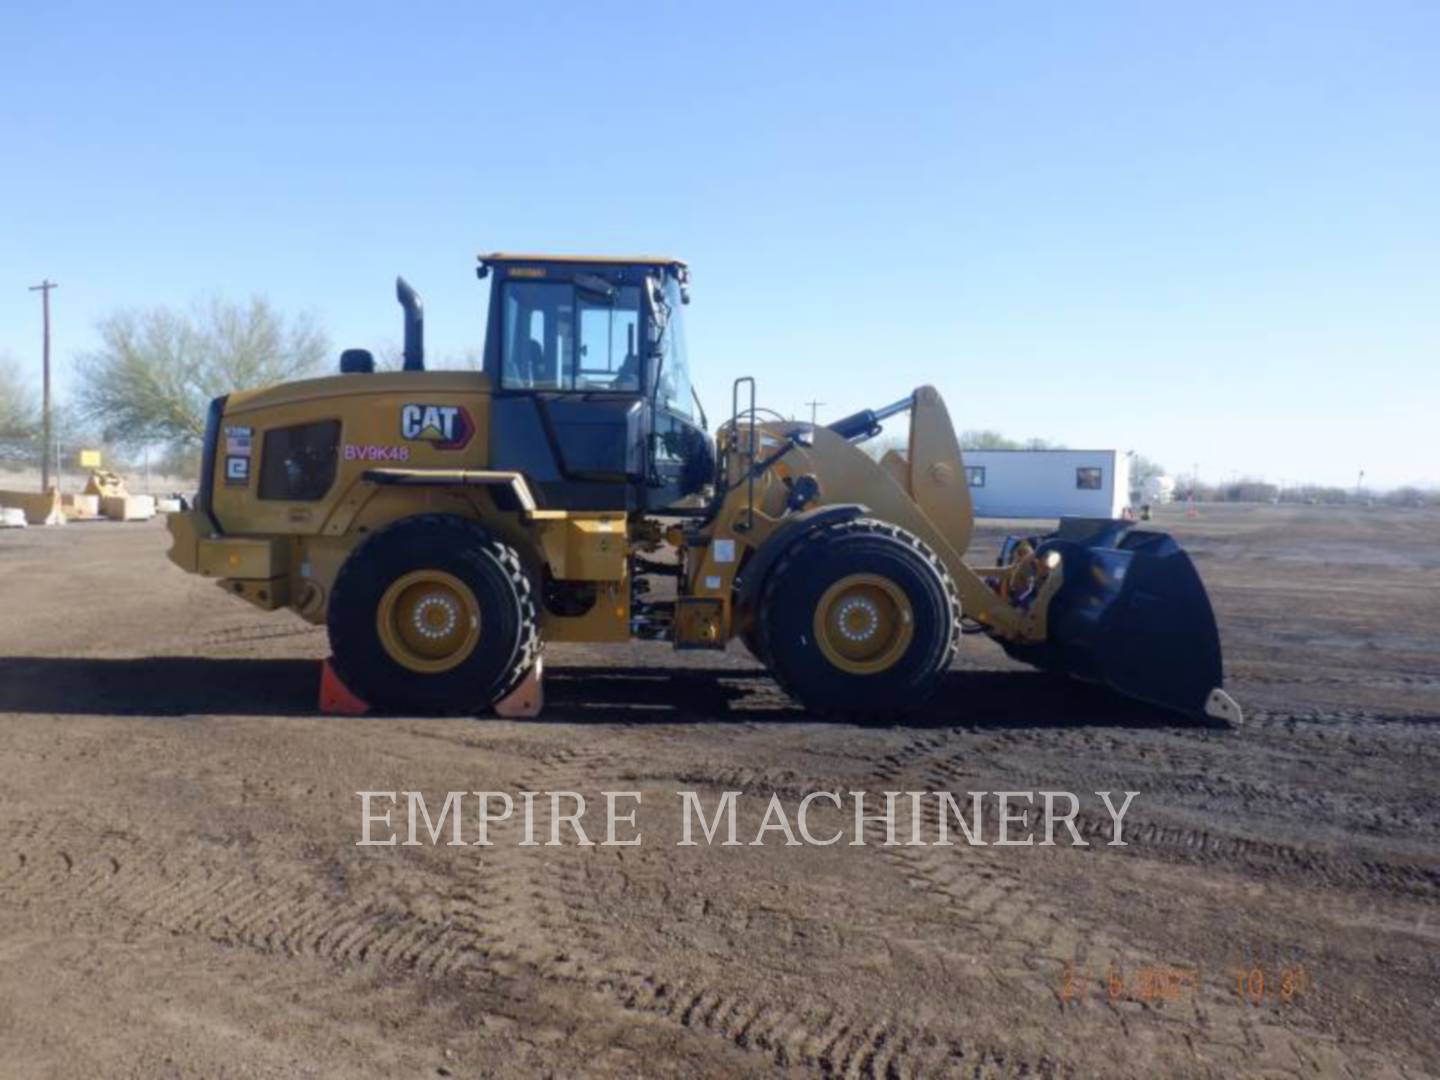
x: 1208, y: 233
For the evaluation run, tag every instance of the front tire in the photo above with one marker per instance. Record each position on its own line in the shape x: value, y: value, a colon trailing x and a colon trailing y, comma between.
x: 859, y: 620
x: 433, y: 615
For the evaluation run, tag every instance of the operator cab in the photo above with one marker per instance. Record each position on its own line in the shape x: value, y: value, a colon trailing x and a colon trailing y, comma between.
x: 592, y: 395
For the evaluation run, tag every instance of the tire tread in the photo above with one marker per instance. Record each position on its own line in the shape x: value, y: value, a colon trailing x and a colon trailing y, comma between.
x: 468, y: 536
x: 797, y: 554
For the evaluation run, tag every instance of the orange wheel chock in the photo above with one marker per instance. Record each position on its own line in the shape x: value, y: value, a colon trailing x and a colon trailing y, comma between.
x: 336, y: 698
x: 528, y: 698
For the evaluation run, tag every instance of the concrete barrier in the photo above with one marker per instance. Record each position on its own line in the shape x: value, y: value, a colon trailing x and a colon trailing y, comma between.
x: 80, y: 507
x: 128, y: 507
x: 40, y: 509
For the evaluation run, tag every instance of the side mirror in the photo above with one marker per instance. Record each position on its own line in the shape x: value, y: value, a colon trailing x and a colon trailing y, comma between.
x: 357, y: 362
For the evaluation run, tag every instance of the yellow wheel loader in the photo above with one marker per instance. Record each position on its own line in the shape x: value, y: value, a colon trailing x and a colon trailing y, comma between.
x: 444, y: 525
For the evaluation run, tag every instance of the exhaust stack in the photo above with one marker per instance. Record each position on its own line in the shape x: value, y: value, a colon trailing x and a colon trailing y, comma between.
x: 414, y: 325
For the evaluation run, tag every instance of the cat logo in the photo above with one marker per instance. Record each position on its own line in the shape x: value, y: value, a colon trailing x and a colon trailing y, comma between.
x: 445, y: 427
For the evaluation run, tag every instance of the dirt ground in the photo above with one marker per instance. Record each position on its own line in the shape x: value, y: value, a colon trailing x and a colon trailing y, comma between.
x: 181, y: 893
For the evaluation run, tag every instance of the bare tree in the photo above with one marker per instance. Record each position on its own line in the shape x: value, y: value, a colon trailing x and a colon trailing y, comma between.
x: 878, y: 448
x: 157, y: 369
x: 19, y: 417
x: 985, y: 439
x: 471, y: 358
x: 1143, y: 469
x: 390, y: 356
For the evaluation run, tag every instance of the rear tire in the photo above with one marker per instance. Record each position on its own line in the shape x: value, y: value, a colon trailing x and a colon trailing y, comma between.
x: 751, y: 641
x: 433, y: 615
x: 859, y: 620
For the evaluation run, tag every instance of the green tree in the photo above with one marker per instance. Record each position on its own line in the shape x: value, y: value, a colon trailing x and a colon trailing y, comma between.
x: 157, y: 369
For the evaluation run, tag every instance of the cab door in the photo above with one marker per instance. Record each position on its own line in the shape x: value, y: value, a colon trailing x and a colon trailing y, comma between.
x: 680, y: 455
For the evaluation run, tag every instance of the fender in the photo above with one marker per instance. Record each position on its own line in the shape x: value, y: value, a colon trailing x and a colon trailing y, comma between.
x: 752, y: 577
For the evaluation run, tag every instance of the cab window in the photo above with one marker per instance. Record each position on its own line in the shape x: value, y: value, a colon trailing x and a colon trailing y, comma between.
x: 673, y: 392
x: 560, y: 337
x: 298, y: 463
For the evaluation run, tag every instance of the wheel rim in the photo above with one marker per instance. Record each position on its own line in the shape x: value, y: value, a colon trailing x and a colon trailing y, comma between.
x: 428, y: 621
x: 864, y: 623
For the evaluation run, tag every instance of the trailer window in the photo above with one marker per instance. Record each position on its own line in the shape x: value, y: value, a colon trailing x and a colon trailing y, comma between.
x: 298, y: 463
x: 1088, y: 479
x: 975, y: 475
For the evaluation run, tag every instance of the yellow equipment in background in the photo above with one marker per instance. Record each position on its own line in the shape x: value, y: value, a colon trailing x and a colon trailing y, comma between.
x: 444, y: 524
x: 106, y: 484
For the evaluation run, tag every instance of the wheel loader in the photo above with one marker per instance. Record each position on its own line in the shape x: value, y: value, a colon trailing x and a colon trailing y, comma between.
x: 445, y: 525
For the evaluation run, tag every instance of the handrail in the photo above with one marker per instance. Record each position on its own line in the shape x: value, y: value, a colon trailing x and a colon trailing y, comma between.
x: 753, y: 447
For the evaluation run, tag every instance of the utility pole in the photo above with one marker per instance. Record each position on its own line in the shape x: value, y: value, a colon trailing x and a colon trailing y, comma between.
x: 814, y: 406
x: 44, y: 290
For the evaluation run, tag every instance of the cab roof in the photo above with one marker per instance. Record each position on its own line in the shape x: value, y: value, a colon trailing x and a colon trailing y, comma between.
x: 505, y: 258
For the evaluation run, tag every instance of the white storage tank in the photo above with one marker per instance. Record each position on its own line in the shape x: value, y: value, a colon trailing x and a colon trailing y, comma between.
x: 1048, y: 483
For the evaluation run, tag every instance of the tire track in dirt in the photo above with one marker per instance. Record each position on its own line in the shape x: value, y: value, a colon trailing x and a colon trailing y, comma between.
x: 493, y: 922
x: 1030, y: 944
x: 245, y: 633
x: 289, y: 916
x: 918, y: 764
x: 509, y: 913
x: 1339, y: 718
x: 1349, y: 681
x: 929, y: 761
x: 812, y: 1032
x: 819, y: 1036
x: 1197, y: 844
x: 515, y: 913
x: 1037, y: 946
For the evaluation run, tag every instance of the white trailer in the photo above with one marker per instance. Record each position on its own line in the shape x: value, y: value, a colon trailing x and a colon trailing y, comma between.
x: 1048, y: 483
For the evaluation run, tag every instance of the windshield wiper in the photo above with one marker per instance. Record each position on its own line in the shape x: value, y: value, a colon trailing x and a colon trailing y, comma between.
x: 597, y: 285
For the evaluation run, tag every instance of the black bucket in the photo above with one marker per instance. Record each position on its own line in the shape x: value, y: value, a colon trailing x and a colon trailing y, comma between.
x: 1132, y: 614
